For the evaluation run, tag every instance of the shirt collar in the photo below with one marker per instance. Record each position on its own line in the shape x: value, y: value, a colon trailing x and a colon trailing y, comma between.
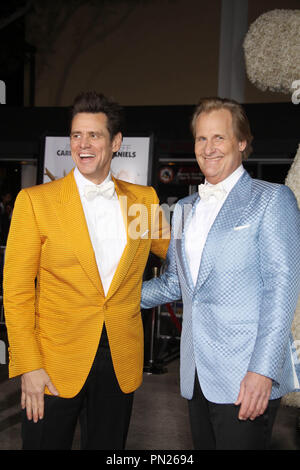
x: 232, y: 179
x: 82, y: 181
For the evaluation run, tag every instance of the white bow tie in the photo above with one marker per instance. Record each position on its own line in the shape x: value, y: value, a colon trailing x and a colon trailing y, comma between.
x: 207, y: 190
x: 106, y: 190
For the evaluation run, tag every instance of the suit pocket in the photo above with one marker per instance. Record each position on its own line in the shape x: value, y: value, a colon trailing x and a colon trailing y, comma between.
x: 237, y: 338
x: 242, y: 227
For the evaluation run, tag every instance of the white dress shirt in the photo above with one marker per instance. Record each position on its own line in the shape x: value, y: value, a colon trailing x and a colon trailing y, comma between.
x: 106, y: 228
x: 201, y: 222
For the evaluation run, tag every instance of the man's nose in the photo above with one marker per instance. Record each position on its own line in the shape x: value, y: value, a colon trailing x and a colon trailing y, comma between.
x: 209, y: 147
x: 84, y: 141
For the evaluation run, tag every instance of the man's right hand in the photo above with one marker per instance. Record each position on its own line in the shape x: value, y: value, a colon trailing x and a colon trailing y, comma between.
x: 33, y: 388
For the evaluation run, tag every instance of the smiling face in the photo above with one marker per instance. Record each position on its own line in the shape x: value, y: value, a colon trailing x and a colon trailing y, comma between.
x: 92, y: 147
x: 218, y: 151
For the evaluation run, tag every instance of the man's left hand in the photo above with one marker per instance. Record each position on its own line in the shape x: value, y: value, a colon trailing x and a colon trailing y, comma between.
x: 254, y: 395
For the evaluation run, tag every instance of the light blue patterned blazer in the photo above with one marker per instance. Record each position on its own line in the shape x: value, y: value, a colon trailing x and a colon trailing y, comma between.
x: 238, y: 316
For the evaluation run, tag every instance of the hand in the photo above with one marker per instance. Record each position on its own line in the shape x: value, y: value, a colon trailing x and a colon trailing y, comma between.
x: 254, y: 395
x: 33, y: 388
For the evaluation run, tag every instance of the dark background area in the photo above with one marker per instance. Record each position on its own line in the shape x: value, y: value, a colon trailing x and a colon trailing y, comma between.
x: 275, y: 127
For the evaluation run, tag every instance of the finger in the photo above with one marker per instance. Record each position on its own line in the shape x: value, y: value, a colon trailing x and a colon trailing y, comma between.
x: 23, y: 400
x: 257, y: 406
x: 23, y: 394
x: 34, y: 405
x: 262, y: 401
x: 41, y: 406
x: 243, y: 411
x: 254, y: 408
x: 52, y: 389
x: 245, y: 406
x: 261, y: 407
x: 28, y: 408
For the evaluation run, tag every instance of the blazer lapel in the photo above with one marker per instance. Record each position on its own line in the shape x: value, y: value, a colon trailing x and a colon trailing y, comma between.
x: 72, y: 219
x: 127, y: 200
x: 188, y: 210
x: 228, y: 217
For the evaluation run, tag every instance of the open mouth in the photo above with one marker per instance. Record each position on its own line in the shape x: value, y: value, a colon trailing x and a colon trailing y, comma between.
x: 84, y: 156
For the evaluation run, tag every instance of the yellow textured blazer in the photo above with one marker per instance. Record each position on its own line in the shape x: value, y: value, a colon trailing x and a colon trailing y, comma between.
x: 53, y: 297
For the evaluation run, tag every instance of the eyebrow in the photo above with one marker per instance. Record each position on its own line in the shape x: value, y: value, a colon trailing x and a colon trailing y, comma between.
x: 200, y: 136
x: 89, y: 132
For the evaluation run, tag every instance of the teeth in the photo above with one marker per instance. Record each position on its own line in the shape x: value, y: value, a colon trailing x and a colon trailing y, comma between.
x: 85, y: 155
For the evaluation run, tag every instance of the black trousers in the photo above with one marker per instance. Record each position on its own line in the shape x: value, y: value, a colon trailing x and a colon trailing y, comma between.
x: 104, y: 412
x: 217, y: 427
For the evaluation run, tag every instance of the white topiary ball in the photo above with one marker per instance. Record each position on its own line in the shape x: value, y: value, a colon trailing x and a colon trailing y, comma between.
x: 272, y: 50
x: 293, y: 177
x: 293, y: 181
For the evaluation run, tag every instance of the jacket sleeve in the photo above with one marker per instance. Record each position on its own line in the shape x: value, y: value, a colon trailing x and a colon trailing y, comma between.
x: 160, y: 228
x: 279, y: 243
x: 19, y: 292
x: 165, y: 288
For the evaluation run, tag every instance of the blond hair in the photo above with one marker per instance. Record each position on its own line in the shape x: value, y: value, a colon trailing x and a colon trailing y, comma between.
x: 240, y: 123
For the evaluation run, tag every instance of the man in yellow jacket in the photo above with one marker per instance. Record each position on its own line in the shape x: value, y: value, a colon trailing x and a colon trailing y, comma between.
x: 75, y: 257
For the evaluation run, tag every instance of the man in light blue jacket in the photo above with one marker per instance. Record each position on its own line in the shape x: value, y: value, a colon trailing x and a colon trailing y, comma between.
x: 234, y: 259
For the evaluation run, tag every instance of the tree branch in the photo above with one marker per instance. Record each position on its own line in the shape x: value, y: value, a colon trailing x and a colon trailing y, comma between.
x: 16, y: 15
x: 83, y: 47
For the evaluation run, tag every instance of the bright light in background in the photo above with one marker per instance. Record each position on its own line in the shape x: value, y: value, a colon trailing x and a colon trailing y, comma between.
x: 2, y: 92
x: 2, y: 352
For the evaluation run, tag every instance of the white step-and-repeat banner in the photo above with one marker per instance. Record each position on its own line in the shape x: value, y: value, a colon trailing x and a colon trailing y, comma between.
x: 131, y: 163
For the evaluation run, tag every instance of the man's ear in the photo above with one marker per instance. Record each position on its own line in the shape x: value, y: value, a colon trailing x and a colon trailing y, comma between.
x: 117, y: 141
x: 242, y: 145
